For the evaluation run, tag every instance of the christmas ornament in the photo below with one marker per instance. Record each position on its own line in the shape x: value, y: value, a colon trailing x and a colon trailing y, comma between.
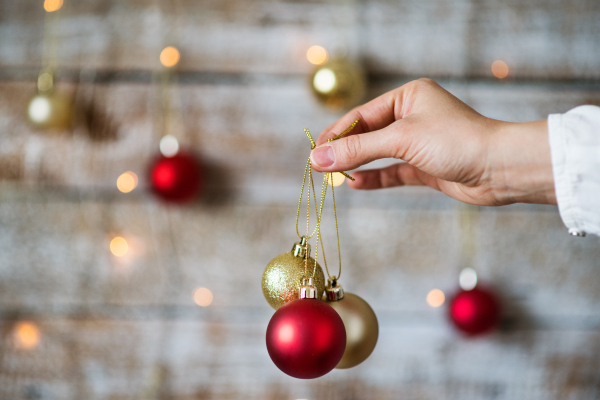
x: 49, y: 109
x: 283, y: 275
x: 339, y: 83
x: 362, y: 329
x: 306, y: 338
x: 176, y: 179
x: 475, y: 311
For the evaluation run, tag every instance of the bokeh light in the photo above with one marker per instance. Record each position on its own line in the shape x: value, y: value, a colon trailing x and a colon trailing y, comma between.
x: 324, y: 80
x: 467, y: 279
x: 499, y: 69
x: 26, y: 335
x: 336, y: 179
x: 203, y: 297
x: 169, y: 146
x: 127, y: 181
x: 52, y: 5
x: 45, y: 82
x: 39, y: 109
x: 435, y: 298
x: 317, y: 55
x: 169, y: 57
x: 119, y: 246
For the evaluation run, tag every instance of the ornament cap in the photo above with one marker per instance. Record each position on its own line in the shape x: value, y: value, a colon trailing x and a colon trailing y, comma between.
x: 334, y: 290
x: 307, y: 290
x: 301, y: 249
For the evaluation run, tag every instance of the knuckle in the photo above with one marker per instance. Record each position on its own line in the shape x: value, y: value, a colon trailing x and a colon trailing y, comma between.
x: 352, y: 147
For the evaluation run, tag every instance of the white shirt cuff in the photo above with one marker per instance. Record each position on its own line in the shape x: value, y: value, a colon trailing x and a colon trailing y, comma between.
x: 575, y: 150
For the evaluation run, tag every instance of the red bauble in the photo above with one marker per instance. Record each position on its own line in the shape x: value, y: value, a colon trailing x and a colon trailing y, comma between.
x: 306, y: 338
x: 176, y: 179
x: 475, y: 311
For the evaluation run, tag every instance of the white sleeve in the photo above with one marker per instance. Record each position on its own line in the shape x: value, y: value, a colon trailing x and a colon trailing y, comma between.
x: 575, y: 149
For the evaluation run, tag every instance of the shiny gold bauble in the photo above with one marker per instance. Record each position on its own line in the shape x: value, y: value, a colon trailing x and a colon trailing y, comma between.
x: 362, y: 329
x: 282, y: 279
x: 50, y: 111
x: 339, y: 84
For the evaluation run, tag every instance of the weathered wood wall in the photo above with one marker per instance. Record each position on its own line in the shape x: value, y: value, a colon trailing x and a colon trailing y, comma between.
x: 124, y: 328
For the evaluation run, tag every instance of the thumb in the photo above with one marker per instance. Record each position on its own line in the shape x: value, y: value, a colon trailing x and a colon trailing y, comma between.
x: 353, y: 151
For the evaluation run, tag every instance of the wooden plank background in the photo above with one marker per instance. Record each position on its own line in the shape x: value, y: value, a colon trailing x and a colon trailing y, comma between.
x: 127, y: 328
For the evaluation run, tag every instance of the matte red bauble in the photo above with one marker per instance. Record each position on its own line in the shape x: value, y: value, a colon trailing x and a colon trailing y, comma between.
x: 306, y: 338
x: 176, y: 179
x: 475, y: 311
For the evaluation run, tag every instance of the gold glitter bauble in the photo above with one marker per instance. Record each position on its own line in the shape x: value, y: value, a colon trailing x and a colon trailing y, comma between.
x: 50, y: 110
x: 282, y: 279
x: 362, y: 329
x: 339, y: 84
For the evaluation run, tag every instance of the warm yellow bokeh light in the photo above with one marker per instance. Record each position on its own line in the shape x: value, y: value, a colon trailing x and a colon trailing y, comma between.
x: 435, y: 298
x: 324, y: 80
x: 336, y: 179
x: 169, y: 57
x: 317, y: 55
x: 119, y: 246
x: 52, y: 5
x: 499, y: 69
x: 203, y: 297
x: 127, y: 181
x: 26, y: 335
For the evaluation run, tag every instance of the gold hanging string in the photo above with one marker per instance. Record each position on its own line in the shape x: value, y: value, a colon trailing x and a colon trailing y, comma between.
x: 319, y: 210
x: 470, y: 227
x: 307, y: 223
x: 306, y: 173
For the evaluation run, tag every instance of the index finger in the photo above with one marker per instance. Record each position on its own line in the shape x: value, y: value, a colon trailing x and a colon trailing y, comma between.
x: 374, y: 115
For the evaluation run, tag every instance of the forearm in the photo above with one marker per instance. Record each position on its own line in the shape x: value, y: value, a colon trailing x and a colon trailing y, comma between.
x: 520, y: 163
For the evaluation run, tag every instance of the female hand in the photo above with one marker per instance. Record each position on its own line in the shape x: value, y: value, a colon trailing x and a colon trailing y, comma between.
x: 446, y: 145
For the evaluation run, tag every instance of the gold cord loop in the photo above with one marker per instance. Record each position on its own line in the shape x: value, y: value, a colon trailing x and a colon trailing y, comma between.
x: 319, y: 207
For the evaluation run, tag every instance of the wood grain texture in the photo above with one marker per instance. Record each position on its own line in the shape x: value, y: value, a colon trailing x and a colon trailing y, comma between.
x: 127, y: 328
x: 556, y: 39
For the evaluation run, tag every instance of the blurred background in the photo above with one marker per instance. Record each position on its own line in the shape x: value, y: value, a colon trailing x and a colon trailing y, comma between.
x: 114, y: 287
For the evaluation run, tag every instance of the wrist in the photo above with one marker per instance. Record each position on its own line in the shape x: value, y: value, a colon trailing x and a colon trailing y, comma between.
x: 521, y: 165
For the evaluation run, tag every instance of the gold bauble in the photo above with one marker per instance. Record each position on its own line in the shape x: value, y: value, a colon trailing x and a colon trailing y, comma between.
x: 339, y: 84
x: 283, y: 275
x: 362, y: 329
x: 50, y: 110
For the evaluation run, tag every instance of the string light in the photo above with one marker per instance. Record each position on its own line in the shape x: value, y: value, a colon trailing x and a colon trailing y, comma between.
x: 119, y: 246
x: 467, y: 279
x: 203, y: 297
x: 435, y: 298
x: 39, y: 109
x: 336, y: 179
x: 169, y: 146
x: 499, y: 69
x: 324, y: 80
x: 45, y: 82
x: 127, y: 181
x: 26, y: 335
x: 52, y: 5
x: 317, y: 55
x: 169, y: 57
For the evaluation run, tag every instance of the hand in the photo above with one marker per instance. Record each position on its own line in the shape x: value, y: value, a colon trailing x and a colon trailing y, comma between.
x: 446, y: 145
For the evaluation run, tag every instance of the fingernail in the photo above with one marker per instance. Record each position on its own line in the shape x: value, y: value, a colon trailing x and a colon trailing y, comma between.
x: 323, y: 156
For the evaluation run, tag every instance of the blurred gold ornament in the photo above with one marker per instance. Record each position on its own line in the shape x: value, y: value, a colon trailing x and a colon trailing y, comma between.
x: 362, y: 329
x: 283, y: 275
x: 339, y: 84
x: 50, y: 109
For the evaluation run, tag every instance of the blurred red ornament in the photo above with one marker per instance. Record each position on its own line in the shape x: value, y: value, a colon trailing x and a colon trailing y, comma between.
x: 176, y: 179
x: 306, y: 338
x: 475, y: 311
